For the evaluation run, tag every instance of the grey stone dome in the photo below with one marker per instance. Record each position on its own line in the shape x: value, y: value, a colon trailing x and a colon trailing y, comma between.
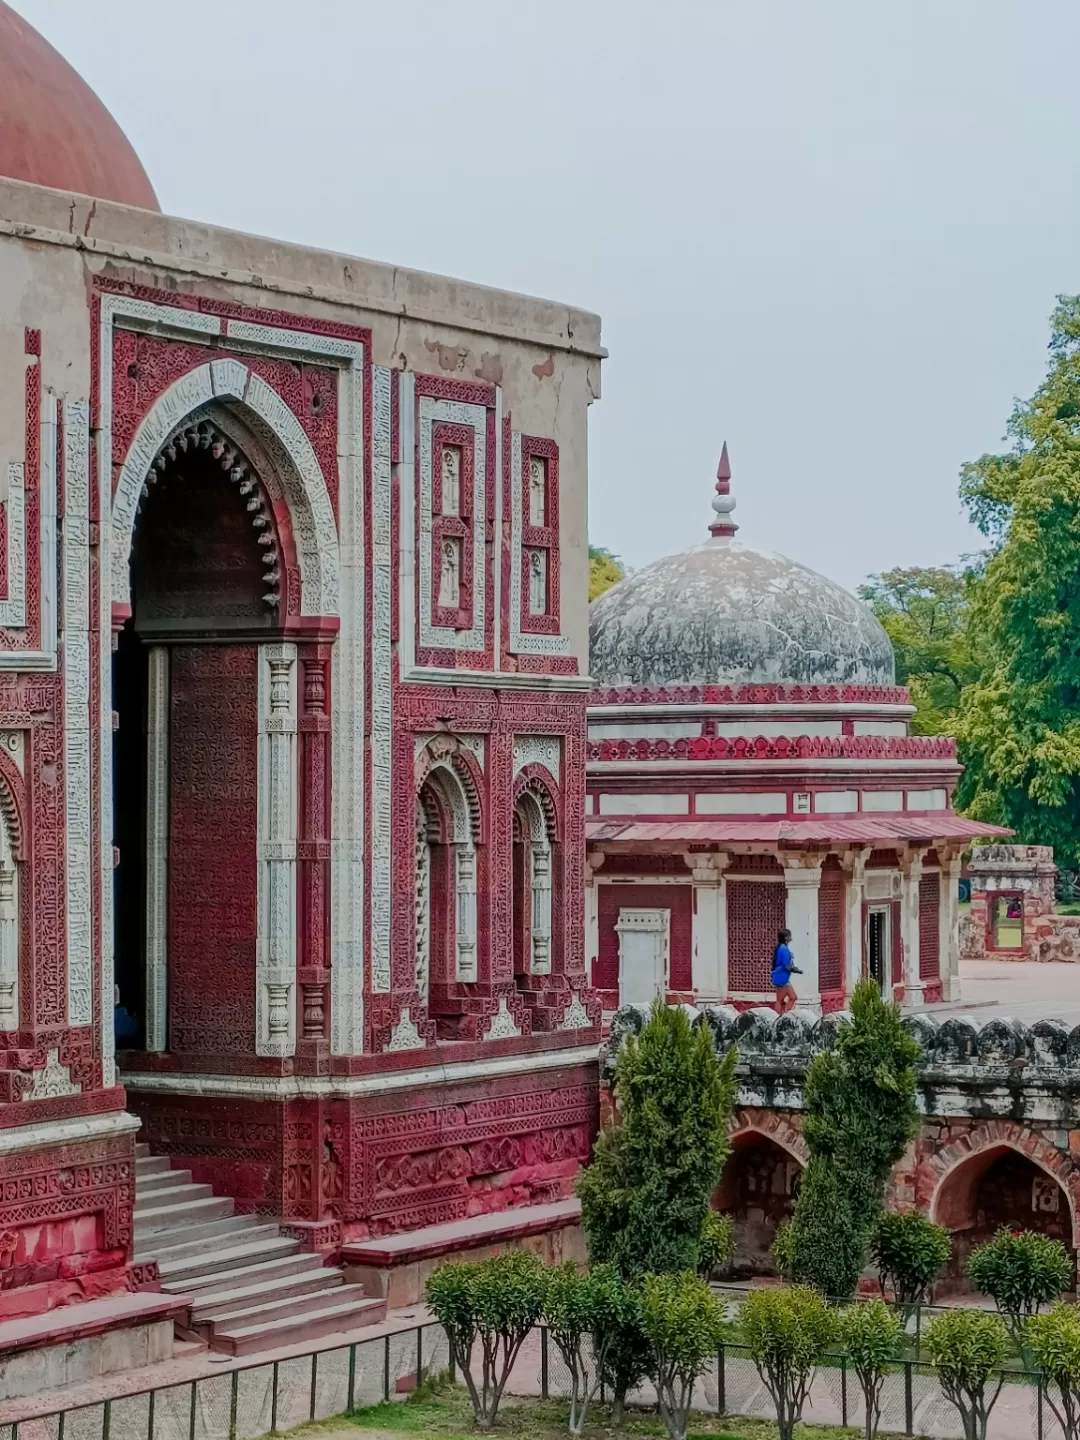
x: 724, y: 613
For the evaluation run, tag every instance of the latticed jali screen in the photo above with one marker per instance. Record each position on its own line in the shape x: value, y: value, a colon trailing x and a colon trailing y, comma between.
x: 929, y: 903
x: 831, y: 931
x: 756, y: 911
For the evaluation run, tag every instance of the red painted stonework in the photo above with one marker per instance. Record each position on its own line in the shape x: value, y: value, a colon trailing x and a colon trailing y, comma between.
x: 679, y: 899
x: 389, y: 1161
x: 212, y: 850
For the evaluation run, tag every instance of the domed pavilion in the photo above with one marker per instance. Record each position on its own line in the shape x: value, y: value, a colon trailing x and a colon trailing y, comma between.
x: 750, y: 767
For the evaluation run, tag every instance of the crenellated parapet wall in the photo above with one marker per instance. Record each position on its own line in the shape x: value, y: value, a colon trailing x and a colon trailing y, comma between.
x: 999, y: 1140
x: 992, y: 1066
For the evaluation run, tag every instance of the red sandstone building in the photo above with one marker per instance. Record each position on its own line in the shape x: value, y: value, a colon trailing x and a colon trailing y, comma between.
x: 750, y: 767
x: 293, y: 676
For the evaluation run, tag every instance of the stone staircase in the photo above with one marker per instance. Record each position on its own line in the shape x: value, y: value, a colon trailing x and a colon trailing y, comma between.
x: 251, y: 1288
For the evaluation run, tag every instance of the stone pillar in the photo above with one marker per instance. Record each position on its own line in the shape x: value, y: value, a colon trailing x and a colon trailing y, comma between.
x: 313, y: 849
x: 276, y: 1000
x: 540, y: 910
x: 911, y: 868
x: 593, y: 861
x: 157, y: 848
x: 802, y: 875
x: 709, y: 962
x: 465, y: 888
x: 949, y: 921
x: 854, y: 863
x: 9, y: 937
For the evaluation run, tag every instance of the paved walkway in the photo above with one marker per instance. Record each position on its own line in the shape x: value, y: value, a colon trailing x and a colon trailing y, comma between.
x: 1028, y: 991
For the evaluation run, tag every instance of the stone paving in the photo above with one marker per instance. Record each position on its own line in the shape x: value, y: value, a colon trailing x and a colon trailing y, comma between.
x: 1027, y: 990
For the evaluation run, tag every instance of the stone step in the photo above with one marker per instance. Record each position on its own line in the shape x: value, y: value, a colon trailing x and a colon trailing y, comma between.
x: 168, y: 1245
x: 256, y: 1261
x: 157, y: 1180
x: 271, y: 1308
x: 170, y: 1194
x: 349, y: 1310
x: 142, y: 1150
x: 150, y: 1165
x: 211, y: 1302
x: 167, y: 1217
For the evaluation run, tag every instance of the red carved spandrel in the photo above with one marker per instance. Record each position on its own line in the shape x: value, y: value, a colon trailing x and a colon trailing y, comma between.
x: 213, y: 780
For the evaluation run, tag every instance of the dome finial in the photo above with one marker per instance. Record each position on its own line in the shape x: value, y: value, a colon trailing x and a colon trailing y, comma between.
x: 723, y: 527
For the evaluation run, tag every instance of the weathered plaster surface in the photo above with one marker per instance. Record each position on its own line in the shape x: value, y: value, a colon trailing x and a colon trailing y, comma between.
x: 725, y: 613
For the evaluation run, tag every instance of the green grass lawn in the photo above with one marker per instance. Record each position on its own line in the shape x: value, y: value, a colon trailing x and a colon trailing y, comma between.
x: 448, y: 1415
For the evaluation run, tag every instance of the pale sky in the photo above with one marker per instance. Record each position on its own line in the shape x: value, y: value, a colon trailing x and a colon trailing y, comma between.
x: 828, y: 232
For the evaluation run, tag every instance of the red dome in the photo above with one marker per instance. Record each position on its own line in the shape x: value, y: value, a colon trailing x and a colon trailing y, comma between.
x: 53, y: 128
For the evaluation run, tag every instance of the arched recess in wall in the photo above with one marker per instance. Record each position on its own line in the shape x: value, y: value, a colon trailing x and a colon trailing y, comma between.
x: 757, y: 1190
x: 14, y: 947
x: 1008, y: 1180
x: 449, y: 831
x: 224, y: 555
x: 538, y: 876
x: 252, y: 416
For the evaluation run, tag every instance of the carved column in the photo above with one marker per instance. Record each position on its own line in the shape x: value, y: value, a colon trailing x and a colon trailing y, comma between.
x: 540, y: 911
x: 465, y: 890
x: 593, y: 861
x: 709, y: 972
x: 276, y: 979
x: 854, y: 863
x: 157, y: 848
x: 9, y: 940
x: 911, y: 868
x: 949, y: 920
x: 313, y: 847
x: 802, y: 875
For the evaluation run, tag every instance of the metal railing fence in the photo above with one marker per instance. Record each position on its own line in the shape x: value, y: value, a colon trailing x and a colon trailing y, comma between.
x: 248, y: 1401
x: 245, y: 1402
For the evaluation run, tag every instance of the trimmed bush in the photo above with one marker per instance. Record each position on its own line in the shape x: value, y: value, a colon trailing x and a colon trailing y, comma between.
x: 873, y: 1336
x: 646, y: 1192
x: 860, y: 1115
x: 969, y: 1348
x: 684, y: 1324
x: 1021, y: 1270
x: 910, y: 1253
x: 1053, y: 1342
x: 496, y: 1302
x: 788, y: 1332
x: 583, y: 1311
x: 716, y: 1245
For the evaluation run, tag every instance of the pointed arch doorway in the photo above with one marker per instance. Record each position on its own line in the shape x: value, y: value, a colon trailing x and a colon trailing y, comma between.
x: 200, y: 670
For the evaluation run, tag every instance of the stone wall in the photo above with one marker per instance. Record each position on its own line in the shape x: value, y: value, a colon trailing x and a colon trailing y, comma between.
x: 1023, y: 876
x: 999, y: 1140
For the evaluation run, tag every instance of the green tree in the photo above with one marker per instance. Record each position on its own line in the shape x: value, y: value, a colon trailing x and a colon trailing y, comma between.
x: 1019, y: 723
x: 1021, y: 1270
x: 716, y: 1244
x: 605, y: 570
x: 860, y: 1114
x: 910, y: 1253
x: 925, y: 612
x: 969, y: 1347
x: 872, y: 1335
x: 1053, y: 1341
x: 494, y: 1302
x: 583, y: 1310
x: 645, y: 1193
x: 684, y: 1324
x: 788, y: 1332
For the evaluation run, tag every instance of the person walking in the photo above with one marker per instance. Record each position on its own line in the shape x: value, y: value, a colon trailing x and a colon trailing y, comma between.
x: 783, y: 967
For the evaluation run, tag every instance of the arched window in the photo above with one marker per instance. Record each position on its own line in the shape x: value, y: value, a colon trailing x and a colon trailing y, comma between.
x: 445, y: 880
x: 532, y: 887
